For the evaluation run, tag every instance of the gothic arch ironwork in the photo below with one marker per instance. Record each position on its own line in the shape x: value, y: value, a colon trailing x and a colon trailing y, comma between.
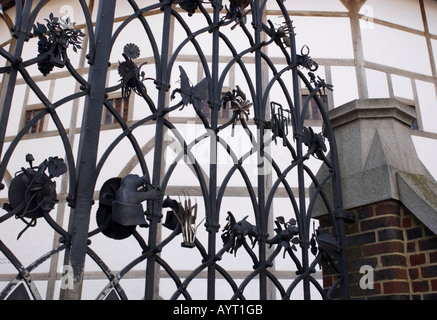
x: 33, y: 194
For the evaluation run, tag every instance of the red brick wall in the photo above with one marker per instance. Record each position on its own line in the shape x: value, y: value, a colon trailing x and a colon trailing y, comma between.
x: 399, y: 250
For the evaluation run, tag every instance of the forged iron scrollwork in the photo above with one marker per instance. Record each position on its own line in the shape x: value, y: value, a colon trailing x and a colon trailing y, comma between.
x: 54, y: 39
x: 120, y: 209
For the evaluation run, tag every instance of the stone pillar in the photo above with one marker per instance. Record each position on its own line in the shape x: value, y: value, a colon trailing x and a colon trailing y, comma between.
x: 392, y: 243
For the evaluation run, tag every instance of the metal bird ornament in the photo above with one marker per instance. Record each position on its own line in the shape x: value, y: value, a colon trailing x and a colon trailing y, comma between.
x: 192, y: 94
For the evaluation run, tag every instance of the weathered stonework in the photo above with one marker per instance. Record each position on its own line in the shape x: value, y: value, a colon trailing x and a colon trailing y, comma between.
x: 392, y: 243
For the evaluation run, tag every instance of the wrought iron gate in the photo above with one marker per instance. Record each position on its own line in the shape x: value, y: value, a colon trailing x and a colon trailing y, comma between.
x: 269, y: 125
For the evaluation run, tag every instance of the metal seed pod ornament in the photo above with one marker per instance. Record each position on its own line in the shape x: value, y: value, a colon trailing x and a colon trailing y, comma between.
x: 32, y: 193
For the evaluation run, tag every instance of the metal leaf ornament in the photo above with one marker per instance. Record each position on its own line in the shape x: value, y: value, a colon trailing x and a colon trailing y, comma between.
x: 192, y: 94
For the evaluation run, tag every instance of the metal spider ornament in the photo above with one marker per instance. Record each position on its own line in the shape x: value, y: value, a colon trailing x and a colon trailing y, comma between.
x: 236, y: 99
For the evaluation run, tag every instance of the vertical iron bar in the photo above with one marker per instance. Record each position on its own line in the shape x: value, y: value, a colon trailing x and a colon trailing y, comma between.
x: 155, y: 212
x: 21, y: 34
x: 261, y: 161
x: 88, y: 147
x: 212, y: 221
x: 303, y: 227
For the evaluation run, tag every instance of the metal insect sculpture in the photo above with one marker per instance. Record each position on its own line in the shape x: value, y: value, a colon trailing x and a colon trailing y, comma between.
x: 305, y: 60
x: 237, y: 231
x: 237, y: 11
x: 192, y: 94
x: 32, y: 193
x: 238, y: 103
x: 54, y: 39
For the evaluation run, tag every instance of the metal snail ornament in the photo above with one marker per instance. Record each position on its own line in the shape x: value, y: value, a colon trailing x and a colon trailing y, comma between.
x: 120, y: 205
x: 32, y: 193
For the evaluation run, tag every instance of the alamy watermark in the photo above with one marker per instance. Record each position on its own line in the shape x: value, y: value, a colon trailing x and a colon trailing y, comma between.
x: 368, y: 15
x: 367, y: 280
x: 67, y: 277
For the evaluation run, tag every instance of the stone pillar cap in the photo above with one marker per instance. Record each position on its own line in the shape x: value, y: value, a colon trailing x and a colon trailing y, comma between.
x: 378, y: 160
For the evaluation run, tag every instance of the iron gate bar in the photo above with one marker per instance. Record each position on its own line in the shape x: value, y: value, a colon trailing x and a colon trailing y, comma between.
x: 76, y: 241
x: 87, y: 153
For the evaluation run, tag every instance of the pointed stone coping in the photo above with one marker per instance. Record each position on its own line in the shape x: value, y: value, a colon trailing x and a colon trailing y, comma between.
x: 378, y: 160
x: 419, y: 194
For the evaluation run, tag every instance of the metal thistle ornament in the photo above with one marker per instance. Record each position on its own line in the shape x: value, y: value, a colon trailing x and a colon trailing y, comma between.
x: 54, y: 39
x: 32, y: 193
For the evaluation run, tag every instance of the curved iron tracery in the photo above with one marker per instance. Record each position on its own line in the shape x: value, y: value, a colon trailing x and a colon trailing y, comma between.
x: 273, y: 121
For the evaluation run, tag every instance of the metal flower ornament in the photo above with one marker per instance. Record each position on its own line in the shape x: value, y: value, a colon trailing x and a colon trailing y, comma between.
x: 132, y: 77
x: 54, y: 39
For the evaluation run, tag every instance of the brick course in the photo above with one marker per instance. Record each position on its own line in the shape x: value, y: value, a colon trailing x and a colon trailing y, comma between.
x: 401, y: 251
